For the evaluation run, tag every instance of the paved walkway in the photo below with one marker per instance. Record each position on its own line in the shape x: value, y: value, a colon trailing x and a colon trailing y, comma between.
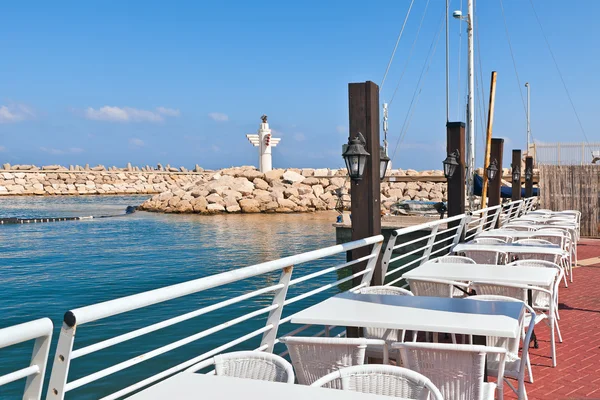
x: 577, y: 375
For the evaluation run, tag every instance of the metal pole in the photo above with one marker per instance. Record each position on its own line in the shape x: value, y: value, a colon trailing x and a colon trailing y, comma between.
x: 528, y: 124
x: 447, y: 65
x: 471, y: 106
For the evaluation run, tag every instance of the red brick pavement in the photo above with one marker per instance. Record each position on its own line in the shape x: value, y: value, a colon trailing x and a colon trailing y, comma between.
x: 577, y: 375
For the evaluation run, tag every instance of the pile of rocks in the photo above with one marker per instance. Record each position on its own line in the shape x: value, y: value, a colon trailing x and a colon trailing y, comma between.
x: 50, y: 182
x: 98, y: 168
x: 244, y: 189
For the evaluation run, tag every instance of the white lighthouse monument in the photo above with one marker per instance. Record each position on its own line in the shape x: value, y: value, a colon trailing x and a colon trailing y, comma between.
x: 264, y: 141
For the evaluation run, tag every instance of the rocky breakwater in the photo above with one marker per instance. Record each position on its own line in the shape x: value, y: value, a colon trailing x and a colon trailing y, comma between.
x: 247, y: 190
x: 57, y: 180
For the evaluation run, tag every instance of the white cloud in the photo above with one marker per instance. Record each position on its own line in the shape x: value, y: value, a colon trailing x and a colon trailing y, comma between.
x: 216, y: 149
x: 219, y: 117
x: 129, y: 114
x: 71, y: 150
x: 2, y: 149
x: 299, y: 137
x: 15, y: 113
x: 341, y: 129
x: 136, y: 143
x: 169, y: 112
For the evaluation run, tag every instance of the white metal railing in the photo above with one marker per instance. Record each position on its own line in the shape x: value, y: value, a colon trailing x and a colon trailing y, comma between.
x: 65, y: 353
x: 565, y: 153
x: 39, y: 330
x: 415, y: 245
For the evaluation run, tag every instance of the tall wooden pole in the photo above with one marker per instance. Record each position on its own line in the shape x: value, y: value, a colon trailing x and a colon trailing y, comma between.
x: 516, y: 186
x: 496, y: 153
x: 488, y: 141
x: 529, y: 183
x: 363, y: 102
x: 455, y: 140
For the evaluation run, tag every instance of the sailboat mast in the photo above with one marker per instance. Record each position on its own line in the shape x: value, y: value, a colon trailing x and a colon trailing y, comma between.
x: 471, y: 107
x: 528, y: 126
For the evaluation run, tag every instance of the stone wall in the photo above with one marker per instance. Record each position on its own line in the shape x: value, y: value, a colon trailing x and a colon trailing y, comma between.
x: 246, y: 190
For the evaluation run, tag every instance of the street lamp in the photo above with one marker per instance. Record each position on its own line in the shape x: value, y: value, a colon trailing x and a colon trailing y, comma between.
x: 492, y: 170
x: 450, y: 163
x: 355, y: 156
x: 528, y: 174
x: 516, y: 173
x: 384, y: 161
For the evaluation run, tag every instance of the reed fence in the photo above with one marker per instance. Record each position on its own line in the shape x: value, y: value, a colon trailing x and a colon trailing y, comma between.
x: 573, y: 187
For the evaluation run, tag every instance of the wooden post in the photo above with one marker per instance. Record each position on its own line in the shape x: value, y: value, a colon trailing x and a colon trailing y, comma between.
x: 363, y: 104
x: 488, y: 141
x: 363, y: 100
x: 516, y: 186
x: 496, y: 153
x: 529, y: 183
x: 455, y: 140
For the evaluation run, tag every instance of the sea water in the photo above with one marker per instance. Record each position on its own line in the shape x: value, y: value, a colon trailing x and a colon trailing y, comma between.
x: 47, y: 269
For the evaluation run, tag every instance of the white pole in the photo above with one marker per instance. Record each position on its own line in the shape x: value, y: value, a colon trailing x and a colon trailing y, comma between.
x: 471, y: 106
x: 528, y: 123
x: 265, y: 150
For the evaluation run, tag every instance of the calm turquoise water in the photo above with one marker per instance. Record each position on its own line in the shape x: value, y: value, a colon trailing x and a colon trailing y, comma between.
x: 47, y: 269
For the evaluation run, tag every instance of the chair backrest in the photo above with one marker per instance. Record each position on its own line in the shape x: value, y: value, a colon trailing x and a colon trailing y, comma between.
x: 315, y: 357
x: 382, y: 333
x: 516, y: 227
x: 254, y: 365
x: 456, y: 370
x: 542, y: 299
x: 453, y: 260
x: 518, y: 292
x: 489, y: 240
x: 434, y: 287
x: 486, y: 256
x: 550, y: 238
x: 532, y: 241
x: 384, y: 380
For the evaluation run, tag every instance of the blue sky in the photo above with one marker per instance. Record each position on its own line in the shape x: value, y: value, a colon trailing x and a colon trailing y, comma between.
x: 182, y: 82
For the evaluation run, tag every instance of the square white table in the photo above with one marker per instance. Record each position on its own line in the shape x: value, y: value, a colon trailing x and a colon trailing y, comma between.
x: 512, y: 248
x: 194, y: 386
x: 535, y: 276
x: 416, y: 313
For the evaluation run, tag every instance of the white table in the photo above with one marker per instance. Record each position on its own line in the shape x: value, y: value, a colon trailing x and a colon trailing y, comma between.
x: 534, y: 276
x: 194, y: 386
x: 513, y: 248
x: 515, y: 234
x: 416, y: 313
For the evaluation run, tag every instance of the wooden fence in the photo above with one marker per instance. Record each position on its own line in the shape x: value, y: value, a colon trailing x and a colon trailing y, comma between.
x: 573, y: 187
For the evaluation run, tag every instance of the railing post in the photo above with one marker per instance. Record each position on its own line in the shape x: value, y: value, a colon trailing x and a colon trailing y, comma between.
x: 387, y: 255
x: 482, y: 221
x: 372, y: 265
x: 275, y: 315
x: 430, y: 243
x: 39, y: 357
x: 496, y: 217
x: 62, y: 361
x: 464, y: 221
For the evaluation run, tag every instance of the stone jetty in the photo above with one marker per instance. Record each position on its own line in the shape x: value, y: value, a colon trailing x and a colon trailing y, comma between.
x: 246, y: 190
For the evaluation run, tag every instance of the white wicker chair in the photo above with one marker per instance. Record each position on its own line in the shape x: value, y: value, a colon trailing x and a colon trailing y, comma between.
x: 389, y: 335
x: 256, y: 365
x: 456, y: 370
x: 569, y: 244
x: 542, y: 300
x: 383, y: 380
x: 514, y: 366
x: 525, y: 227
x: 438, y: 288
x: 452, y: 260
x: 486, y: 256
x: 532, y: 242
x: 489, y: 240
x: 315, y: 357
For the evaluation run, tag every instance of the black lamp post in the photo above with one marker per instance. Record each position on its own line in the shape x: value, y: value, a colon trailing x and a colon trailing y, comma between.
x: 384, y: 161
x: 355, y: 155
x: 516, y: 173
x: 450, y: 164
x: 492, y: 170
x: 528, y: 174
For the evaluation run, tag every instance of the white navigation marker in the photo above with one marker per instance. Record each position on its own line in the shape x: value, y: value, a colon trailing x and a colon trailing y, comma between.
x: 264, y: 141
